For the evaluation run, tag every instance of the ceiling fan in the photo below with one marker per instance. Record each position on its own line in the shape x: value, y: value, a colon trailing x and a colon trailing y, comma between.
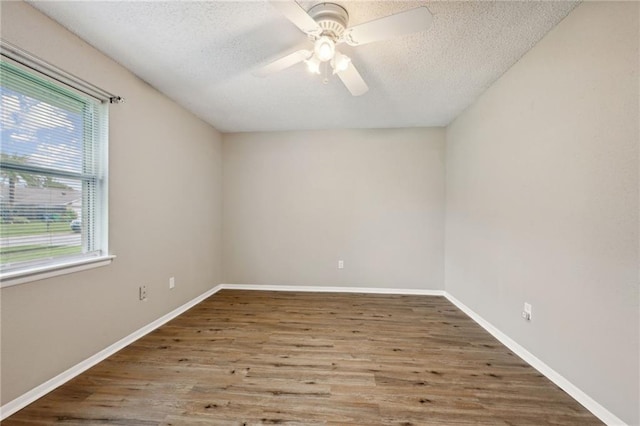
x: 326, y: 25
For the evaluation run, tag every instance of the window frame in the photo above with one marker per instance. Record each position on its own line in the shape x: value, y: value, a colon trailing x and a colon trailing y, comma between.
x: 100, y: 256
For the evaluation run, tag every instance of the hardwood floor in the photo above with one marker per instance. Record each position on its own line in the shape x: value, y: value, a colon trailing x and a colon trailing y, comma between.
x: 251, y: 358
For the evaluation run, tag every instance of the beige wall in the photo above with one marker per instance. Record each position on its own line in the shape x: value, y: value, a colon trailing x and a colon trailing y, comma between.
x: 297, y: 202
x: 165, y: 211
x: 542, y: 203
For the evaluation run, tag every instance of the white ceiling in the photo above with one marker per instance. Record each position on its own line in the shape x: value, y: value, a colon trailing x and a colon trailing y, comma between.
x: 201, y: 54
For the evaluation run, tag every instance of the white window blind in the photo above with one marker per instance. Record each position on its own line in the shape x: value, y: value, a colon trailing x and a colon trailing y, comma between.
x: 53, y: 166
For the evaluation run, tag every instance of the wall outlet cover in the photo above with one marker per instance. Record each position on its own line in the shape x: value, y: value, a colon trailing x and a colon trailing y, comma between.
x: 526, y: 313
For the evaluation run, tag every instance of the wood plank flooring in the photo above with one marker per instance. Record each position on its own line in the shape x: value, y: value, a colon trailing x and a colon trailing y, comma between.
x: 259, y: 358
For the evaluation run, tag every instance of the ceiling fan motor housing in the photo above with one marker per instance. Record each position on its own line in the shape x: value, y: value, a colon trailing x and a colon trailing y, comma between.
x: 331, y: 17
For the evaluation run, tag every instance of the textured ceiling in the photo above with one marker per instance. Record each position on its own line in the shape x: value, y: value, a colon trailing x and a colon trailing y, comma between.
x: 202, y: 55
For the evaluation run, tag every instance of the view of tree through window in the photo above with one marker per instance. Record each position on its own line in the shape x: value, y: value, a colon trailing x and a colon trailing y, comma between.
x: 50, y: 171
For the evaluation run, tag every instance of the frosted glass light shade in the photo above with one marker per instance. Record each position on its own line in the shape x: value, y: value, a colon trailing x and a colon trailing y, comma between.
x: 324, y: 49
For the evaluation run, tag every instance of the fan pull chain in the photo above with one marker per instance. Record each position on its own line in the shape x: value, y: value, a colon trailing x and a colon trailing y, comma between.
x: 325, y: 78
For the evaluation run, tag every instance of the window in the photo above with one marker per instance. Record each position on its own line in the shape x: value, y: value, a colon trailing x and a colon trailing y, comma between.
x: 53, y: 180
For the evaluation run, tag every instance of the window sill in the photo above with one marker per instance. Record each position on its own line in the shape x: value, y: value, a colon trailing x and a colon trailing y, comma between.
x: 41, y: 273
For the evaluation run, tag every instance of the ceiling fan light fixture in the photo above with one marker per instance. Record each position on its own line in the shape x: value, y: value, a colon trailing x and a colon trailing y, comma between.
x: 327, y: 24
x: 313, y: 65
x: 324, y: 48
x: 340, y: 62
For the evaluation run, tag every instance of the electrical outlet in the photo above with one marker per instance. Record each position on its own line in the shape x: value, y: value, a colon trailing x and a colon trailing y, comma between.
x: 526, y: 313
x: 340, y: 264
x: 172, y: 283
x: 143, y: 292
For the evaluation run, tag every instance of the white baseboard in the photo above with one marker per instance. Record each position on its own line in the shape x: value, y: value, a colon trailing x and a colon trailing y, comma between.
x: 321, y: 289
x: 589, y: 403
x: 51, y: 384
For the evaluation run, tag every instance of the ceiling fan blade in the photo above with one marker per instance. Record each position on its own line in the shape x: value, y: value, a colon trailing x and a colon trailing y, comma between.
x: 283, y: 63
x: 353, y: 80
x: 296, y: 14
x: 409, y: 21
